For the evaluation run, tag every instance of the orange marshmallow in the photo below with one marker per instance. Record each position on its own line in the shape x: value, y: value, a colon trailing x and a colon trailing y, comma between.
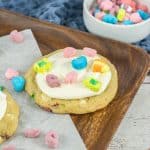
x: 100, y: 66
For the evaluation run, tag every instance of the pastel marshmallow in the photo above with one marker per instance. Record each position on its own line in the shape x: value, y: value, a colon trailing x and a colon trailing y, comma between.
x: 133, y: 5
x: 89, y: 52
x: 129, y: 9
x: 18, y: 83
x: 99, y: 15
x: 42, y: 66
x: 127, y: 22
x: 121, y: 14
x: 118, y: 2
x: 52, y: 81
x: 106, y: 5
x: 69, y: 52
x: 109, y: 18
x: 9, y: 147
x: 71, y: 77
x: 99, y: 2
x: 128, y: 2
x: 144, y: 15
x: 96, y: 11
x: 92, y: 84
x: 10, y: 73
x: 135, y: 18
x: 112, y: 11
x: 79, y: 63
x: 52, y: 139
x: 16, y: 36
x: 142, y: 7
x: 100, y: 66
x: 32, y: 133
x: 116, y: 7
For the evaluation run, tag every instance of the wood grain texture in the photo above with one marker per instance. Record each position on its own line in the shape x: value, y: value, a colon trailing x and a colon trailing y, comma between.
x: 132, y: 64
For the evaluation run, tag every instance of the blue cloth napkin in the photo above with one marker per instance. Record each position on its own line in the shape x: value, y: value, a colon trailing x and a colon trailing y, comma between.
x: 63, y: 12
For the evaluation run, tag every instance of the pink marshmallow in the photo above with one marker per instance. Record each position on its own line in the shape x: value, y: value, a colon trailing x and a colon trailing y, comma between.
x: 99, y: 15
x: 129, y: 9
x: 71, y: 77
x: 89, y: 52
x: 99, y: 2
x: 112, y: 11
x: 118, y: 2
x: 9, y: 147
x: 142, y: 7
x: 135, y: 17
x: 69, y: 52
x: 52, y: 81
x: 32, y: 133
x: 106, y: 5
x: 116, y: 7
x: 114, y: 1
x: 16, y: 36
x: 52, y: 139
x: 10, y: 73
x: 128, y: 2
x: 133, y: 5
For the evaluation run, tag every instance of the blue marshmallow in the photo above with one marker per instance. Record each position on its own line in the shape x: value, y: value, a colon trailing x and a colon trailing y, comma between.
x: 79, y: 63
x: 144, y: 15
x: 18, y: 83
x: 97, y: 10
x: 127, y: 22
x: 109, y: 18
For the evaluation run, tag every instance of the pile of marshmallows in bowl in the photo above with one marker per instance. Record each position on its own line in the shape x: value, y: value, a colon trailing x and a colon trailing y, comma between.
x: 125, y: 12
x: 123, y: 20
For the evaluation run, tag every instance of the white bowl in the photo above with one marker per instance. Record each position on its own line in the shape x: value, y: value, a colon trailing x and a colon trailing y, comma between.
x: 125, y: 33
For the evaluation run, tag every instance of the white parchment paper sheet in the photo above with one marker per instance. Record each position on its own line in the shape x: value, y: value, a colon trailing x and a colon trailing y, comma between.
x: 20, y: 57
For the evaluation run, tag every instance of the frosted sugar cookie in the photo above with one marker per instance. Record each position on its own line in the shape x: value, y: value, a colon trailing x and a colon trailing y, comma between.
x: 72, y: 81
x: 9, y: 114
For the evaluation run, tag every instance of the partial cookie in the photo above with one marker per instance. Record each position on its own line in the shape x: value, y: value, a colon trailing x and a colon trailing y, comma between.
x: 9, y: 115
x: 58, y: 96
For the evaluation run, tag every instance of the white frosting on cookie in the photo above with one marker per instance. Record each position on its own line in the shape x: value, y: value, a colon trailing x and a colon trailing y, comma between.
x: 3, y: 104
x: 61, y: 66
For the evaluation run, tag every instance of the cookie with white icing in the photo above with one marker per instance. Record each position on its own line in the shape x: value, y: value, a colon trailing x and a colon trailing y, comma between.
x: 9, y: 115
x: 72, y: 81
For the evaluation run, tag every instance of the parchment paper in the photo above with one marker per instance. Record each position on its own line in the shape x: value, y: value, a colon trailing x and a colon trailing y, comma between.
x: 20, y: 57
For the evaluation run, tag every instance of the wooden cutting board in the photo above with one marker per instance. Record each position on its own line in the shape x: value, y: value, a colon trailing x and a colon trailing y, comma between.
x: 132, y: 64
